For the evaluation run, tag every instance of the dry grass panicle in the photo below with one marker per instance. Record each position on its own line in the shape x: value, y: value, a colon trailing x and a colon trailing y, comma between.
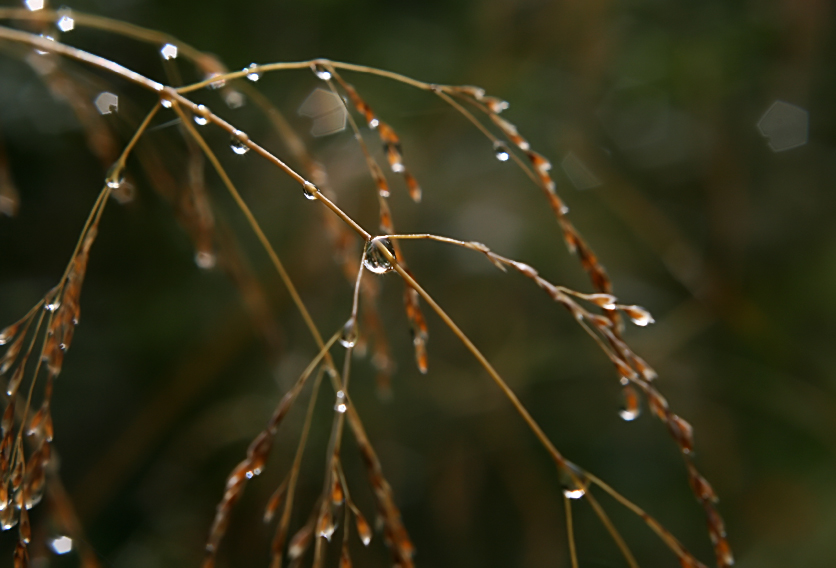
x: 36, y: 344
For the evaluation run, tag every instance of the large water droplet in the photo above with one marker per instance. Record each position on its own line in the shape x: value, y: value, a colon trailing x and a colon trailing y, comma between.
x: 348, y: 335
x: 252, y: 72
x: 309, y: 190
x: 238, y: 142
x: 35, y: 5
x: 574, y: 481
x: 169, y: 51
x: 321, y: 72
x: 375, y: 260
x: 501, y: 151
x: 201, y: 116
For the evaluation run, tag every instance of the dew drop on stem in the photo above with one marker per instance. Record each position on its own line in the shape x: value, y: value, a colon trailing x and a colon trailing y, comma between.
x: 252, y: 72
x: 574, y: 481
x: 238, y: 142
x: 321, y: 72
x: 309, y: 190
x: 501, y: 151
x: 348, y: 335
x: 631, y: 406
x: 201, y: 117
x: 638, y: 315
x: 364, y: 531
x: 114, y: 178
x: 375, y: 260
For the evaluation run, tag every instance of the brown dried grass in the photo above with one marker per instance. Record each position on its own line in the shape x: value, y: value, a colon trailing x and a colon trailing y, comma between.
x: 36, y: 344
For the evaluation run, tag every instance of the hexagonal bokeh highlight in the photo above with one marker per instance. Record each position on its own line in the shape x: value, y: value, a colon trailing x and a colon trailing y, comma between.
x: 327, y: 111
x: 785, y: 126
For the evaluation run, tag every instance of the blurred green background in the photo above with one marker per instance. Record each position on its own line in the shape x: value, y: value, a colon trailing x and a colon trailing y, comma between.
x: 706, y: 203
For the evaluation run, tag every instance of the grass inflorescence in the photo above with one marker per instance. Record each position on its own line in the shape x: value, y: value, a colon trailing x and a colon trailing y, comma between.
x: 36, y: 344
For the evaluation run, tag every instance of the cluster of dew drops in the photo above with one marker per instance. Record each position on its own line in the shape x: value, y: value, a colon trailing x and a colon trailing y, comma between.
x: 374, y: 259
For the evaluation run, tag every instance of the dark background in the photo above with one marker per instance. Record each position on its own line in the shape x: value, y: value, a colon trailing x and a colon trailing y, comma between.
x: 730, y: 244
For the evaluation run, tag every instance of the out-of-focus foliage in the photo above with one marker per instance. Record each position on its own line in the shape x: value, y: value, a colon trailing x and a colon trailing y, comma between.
x: 659, y: 118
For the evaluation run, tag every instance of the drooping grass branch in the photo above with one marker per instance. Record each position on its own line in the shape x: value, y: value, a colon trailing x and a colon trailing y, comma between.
x: 379, y: 255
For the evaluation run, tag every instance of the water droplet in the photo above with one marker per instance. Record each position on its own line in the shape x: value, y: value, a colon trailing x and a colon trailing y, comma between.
x: 25, y: 529
x: 341, y: 405
x: 321, y: 72
x: 574, y: 481
x: 41, y: 51
x: 374, y: 123
x: 61, y: 544
x: 364, y: 531
x: 205, y: 260
x: 638, y: 315
x: 397, y: 167
x: 631, y: 407
x: 107, y: 103
x: 375, y: 260
x: 166, y: 103
x: 115, y: 178
x: 501, y: 151
x: 217, y: 84
x: 35, y: 5
x: 169, y: 51
x: 7, y: 518
x: 253, y: 472
x: 252, y: 72
x: 201, y: 116
x: 238, y: 142
x: 309, y: 190
x: 348, y: 335
x: 65, y: 22
x: 327, y: 526
x: 52, y: 306
x: 495, y: 105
